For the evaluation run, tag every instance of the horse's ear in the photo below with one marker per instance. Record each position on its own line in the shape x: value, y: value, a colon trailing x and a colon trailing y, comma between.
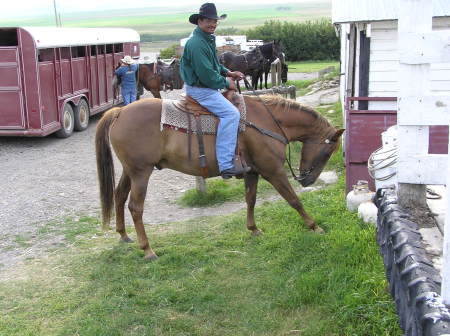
x: 337, y: 135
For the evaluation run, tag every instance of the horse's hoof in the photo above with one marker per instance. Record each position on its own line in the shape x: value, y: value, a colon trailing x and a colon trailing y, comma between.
x: 151, y: 257
x: 318, y: 230
x: 256, y: 233
x: 125, y: 240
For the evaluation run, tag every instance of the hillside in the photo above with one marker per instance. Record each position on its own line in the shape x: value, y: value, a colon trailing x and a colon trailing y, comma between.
x: 173, y: 22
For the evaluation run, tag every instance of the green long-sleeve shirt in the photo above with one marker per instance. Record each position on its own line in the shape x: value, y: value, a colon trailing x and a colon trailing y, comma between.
x: 199, y: 64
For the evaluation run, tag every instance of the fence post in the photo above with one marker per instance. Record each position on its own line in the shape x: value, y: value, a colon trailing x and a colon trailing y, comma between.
x: 200, y: 184
x: 275, y: 75
x: 415, y: 16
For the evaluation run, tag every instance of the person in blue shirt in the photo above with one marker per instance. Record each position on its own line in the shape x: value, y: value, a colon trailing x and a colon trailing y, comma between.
x: 127, y: 74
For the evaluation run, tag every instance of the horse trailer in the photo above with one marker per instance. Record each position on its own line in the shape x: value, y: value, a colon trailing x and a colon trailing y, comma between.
x: 53, y: 79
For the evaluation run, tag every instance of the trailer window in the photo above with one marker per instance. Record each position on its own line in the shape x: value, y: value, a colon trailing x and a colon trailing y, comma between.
x: 8, y: 37
x: 118, y: 47
x: 45, y: 55
x: 109, y: 48
x: 78, y: 52
x: 100, y: 49
x: 93, y: 50
x: 65, y: 53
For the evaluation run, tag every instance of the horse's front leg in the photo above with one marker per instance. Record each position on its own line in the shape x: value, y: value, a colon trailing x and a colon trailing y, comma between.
x: 281, y: 183
x: 139, y: 182
x: 251, y: 186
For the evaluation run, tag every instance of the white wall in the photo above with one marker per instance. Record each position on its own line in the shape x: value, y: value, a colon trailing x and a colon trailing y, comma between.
x: 384, y: 64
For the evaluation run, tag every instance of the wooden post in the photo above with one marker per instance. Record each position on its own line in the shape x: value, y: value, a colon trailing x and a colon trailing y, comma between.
x: 200, y: 184
x: 279, y: 69
x: 415, y: 16
x: 445, y: 289
x: 274, y: 73
x: 417, y: 109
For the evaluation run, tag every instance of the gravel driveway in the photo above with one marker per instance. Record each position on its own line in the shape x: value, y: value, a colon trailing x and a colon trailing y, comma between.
x: 45, y: 179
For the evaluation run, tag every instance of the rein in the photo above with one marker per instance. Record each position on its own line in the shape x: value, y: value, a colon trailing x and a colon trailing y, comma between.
x: 284, y: 139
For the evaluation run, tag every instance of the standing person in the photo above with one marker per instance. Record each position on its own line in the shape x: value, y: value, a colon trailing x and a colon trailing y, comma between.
x: 204, y: 76
x: 127, y: 74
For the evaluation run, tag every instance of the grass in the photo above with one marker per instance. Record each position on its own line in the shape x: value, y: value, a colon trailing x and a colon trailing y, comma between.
x: 311, y: 66
x: 213, y: 279
x: 219, y: 191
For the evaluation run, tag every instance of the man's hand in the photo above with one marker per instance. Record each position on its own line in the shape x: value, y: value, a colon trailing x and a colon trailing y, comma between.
x: 235, y: 74
x: 232, y: 84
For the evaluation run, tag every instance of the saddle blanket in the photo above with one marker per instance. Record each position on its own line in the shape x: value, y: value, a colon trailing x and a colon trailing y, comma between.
x: 175, y: 118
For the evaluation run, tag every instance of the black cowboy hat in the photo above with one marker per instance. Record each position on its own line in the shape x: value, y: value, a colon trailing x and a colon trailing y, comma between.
x: 207, y: 10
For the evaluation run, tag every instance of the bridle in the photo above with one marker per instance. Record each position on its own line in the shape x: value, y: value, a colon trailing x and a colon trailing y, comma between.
x: 284, y: 139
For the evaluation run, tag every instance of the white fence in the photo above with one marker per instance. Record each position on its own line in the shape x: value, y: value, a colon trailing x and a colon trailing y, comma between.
x: 418, y: 109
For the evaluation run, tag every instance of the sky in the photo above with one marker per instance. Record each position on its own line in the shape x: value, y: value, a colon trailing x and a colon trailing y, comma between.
x: 33, y: 7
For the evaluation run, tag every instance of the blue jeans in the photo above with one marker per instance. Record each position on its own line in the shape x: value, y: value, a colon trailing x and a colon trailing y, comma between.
x: 228, y: 116
x: 128, y: 96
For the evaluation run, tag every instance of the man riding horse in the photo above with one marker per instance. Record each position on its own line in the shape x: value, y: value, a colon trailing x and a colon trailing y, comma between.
x: 204, y: 76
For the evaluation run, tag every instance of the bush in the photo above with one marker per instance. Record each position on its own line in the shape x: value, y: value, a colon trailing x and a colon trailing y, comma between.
x: 168, y: 52
x: 311, y: 40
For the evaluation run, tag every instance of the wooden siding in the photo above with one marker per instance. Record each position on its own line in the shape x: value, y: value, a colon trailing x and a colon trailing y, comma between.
x: 383, y: 78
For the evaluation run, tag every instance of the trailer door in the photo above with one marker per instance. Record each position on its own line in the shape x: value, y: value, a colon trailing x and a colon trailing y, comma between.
x: 11, y: 98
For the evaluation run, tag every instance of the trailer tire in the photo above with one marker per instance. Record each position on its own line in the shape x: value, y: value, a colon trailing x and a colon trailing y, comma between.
x: 67, y: 122
x: 81, y: 114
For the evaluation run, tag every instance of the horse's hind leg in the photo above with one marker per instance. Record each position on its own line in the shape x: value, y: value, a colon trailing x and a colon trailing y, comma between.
x: 139, y: 182
x: 120, y: 197
x: 251, y: 185
x: 282, y: 185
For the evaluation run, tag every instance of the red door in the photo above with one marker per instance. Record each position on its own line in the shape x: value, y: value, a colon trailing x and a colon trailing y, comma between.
x: 11, y: 98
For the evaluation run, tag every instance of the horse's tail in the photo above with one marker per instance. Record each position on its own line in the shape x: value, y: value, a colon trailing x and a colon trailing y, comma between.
x: 105, y: 164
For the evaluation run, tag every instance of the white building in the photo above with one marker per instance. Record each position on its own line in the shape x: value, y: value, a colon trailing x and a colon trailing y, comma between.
x: 369, y: 56
x: 240, y: 40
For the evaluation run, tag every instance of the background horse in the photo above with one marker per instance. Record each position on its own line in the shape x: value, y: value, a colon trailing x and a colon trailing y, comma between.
x: 155, y: 77
x: 159, y: 75
x: 271, y: 51
x: 247, y: 62
x: 139, y: 143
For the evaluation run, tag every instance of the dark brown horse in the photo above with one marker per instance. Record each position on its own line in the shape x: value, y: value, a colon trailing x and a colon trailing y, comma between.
x: 271, y: 51
x: 248, y: 62
x: 135, y: 134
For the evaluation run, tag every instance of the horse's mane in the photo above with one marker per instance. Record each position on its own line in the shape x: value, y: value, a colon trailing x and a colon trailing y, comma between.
x: 284, y: 103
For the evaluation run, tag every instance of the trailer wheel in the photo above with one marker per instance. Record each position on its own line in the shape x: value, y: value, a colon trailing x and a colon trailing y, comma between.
x: 67, y: 122
x: 81, y: 116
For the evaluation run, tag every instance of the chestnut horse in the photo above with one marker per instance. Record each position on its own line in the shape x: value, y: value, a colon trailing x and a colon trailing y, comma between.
x: 141, y: 146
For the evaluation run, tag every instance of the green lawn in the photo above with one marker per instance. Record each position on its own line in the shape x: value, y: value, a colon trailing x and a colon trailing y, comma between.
x: 311, y: 66
x: 212, y: 277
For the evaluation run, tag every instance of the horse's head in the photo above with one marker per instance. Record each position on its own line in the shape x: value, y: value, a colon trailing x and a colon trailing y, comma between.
x: 277, y: 50
x: 315, y: 154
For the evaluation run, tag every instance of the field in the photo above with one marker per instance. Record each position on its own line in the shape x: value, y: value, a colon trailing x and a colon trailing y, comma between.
x: 166, y: 21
